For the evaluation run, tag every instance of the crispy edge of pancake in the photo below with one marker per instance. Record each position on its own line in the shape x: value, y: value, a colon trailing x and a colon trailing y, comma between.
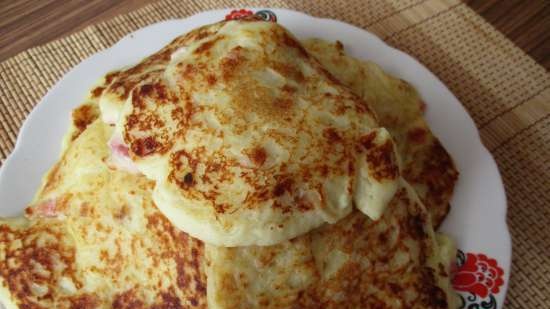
x: 81, y: 117
x: 427, y: 165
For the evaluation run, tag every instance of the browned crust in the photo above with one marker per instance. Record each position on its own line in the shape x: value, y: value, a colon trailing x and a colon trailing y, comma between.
x: 82, y: 117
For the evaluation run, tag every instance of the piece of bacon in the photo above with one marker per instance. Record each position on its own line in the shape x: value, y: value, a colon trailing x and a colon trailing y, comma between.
x: 120, y: 149
x: 120, y: 155
x: 46, y: 209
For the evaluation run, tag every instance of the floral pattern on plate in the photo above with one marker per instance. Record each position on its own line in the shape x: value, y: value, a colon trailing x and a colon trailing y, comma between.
x: 477, y: 278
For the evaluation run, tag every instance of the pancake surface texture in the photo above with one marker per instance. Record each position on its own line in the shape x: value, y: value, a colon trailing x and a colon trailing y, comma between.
x: 394, y: 262
x: 94, y: 239
x: 250, y: 141
x: 426, y: 164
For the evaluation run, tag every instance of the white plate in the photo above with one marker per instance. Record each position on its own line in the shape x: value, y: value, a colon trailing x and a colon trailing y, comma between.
x: 477, y: 220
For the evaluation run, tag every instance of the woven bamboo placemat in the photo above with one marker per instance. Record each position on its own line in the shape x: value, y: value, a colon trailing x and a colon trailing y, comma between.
x: 505, y: 91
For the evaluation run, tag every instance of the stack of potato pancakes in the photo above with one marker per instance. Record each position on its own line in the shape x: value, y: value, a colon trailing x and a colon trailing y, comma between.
x: 238, y: 167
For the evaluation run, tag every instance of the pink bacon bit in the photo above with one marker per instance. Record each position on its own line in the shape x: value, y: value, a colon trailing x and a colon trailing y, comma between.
x: 119, y: 148
x: 120, y: 156
x: 46, y: 209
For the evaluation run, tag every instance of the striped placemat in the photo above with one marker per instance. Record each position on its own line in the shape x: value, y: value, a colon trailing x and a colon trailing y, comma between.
x: 505, y: 91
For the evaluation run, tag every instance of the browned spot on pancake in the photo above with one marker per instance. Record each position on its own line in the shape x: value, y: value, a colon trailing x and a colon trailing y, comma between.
x: 231, y: 62
x: 416, y: 227
x: 367, y: 140
x: 168, y: 301
x: 351, y: 168
x: 111, y: 76
x: 188, y: 72
x: 146, y: 90
x: 382, y: 162
x: 85, y: 301
x: 193, y: 301
x: 97, y: 91
x: 183, y: 277
x: 104, y: 255
x: 220, y: 208
x: 362, y: 107
x: 122, y: 212
x: 86, y: 210
x: 288, y: 88
x: 178, y: 114
x: 284, y: 185
x: 303, y: 204
x: 144, y: 146
x: 29, y: 212
x: 216, y: 170
x: 332, y: 135
x: 205, y: 47
x: 290, y: 72
x: 82, y: 117
x: 127, y: 300
x: 191, y: 160
x: 323, y: 170
x: 283, y: 103
x: 204, y: 33
x: 211, y: 79
x: 395, y: 288
x: 156, y: 91
x: 417, y: 135
x: 143, y: 121
x: 188, y: 179
x: 257, y: 155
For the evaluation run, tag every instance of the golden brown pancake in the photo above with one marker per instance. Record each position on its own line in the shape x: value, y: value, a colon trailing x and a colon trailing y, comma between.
x: 93, y: 237
x: 426, y: 164
x: 250, y: 141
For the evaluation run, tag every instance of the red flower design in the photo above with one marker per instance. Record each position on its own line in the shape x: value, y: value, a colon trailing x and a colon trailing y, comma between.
x: 478, y: 275
x: 238, y: 14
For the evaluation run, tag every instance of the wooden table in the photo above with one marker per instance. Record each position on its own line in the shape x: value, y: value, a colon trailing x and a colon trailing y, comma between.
x: 26, y: 23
